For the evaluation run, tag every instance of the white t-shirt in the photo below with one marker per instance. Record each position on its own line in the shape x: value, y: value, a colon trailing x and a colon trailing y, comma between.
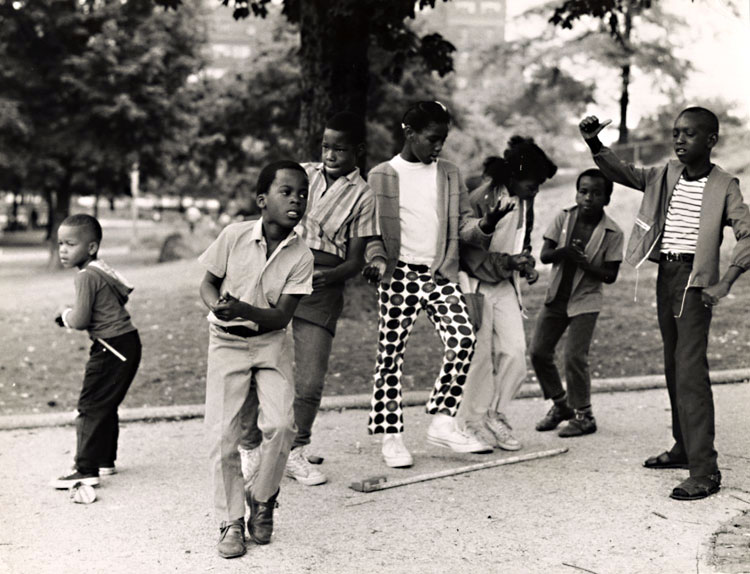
x: 418, y: 204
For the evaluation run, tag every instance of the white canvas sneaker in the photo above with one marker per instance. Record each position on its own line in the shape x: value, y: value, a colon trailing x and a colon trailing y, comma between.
x: 298, y: 468
x: 498, y: 425
x: 395, y: 453
x: 250, y: 461
x: 444, y: 431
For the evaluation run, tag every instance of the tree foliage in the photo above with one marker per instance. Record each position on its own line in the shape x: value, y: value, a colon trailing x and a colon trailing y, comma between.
x: 87, y: 88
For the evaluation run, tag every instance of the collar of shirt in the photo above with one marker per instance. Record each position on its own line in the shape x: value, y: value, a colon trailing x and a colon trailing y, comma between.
x: 257, y: 235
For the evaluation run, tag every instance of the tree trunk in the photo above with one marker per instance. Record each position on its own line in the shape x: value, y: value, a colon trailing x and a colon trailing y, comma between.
x: 625, y: 74
x: 335, y: 69
x: 624, y: 101
x: 60, y: 210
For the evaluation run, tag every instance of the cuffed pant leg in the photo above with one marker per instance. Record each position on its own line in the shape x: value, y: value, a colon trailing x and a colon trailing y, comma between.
x: 550, y: 326
x: 312, y: 349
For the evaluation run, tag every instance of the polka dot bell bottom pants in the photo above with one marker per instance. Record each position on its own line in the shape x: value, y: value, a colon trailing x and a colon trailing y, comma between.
x: 411, y: 290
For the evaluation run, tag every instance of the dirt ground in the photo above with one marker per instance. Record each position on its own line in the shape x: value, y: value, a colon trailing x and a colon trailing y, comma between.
x: 593, y: 509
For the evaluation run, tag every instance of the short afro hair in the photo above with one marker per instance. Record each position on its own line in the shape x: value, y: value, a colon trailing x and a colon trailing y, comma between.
x: 350, y: 124
x: 707, y: 117
x: 268, y: 174
x: 593, y: 172
x: 89, y: 223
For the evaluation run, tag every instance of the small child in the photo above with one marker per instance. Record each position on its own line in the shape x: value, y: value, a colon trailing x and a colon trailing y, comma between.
x: 680, y: 224
x: 256, y: 272
x: 340, y: 218
x: 493, y: 276
x: 585, y: 248
x: 423, y: 209
x: 101, y: 294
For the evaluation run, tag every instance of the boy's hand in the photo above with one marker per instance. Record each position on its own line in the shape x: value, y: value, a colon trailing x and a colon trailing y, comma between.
x: 590, y: 127
x: 521, y: 262
x: 573, y: 252
x: 320, y: 279
x: 374, y: 270
x: 228, y: 307
x: 530, y: 274
x: 712, y: 294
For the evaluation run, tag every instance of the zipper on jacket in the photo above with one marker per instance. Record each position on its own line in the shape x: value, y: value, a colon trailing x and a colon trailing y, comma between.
x: 637, y: 267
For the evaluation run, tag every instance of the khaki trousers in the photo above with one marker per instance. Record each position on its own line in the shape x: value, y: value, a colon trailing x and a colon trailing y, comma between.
x: 233, y: 362
x: 499, y: 365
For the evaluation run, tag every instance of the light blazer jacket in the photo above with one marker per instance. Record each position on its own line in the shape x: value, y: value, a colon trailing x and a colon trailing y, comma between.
x: 454, y: 212
x: 722, y: 205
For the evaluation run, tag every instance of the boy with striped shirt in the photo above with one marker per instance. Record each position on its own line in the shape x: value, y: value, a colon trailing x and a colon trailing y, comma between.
x: 340, y: 218
x: 685, y: 206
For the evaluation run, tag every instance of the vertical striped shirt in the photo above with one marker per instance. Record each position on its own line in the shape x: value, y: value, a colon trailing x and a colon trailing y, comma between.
x: 683, y: 216
x: 339, y: 213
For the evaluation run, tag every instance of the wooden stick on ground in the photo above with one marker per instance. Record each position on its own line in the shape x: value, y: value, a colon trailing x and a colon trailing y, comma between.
x: 381, y: 483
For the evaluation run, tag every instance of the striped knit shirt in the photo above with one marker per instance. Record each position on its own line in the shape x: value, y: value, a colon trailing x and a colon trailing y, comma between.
x: 683, y: 216
x: 339, y: 213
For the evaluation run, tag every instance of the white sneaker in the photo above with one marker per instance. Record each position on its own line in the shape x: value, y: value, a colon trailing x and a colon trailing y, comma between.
x: 444, y: 432
x: 499, y: 427
x: 395, y: 453
x: 298, y: 468
x: 250, y: 461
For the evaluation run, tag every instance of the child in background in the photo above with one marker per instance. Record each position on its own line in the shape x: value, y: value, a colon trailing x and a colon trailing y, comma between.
x: 493, y: 276
x: 339, y: 219
x: 101, y: 294
x: 680, y: 225
x: 423, y: 210
x: 585, y: 248
x: 256, y: 273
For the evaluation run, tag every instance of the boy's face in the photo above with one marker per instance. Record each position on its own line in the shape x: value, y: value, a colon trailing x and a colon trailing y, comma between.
x: 692, y: 139
x: 427, y: 144
x: 286, y: 200
x: 523, y: 188
x: 591, y: 196
x: 339, y: 154
x: 75, y: 246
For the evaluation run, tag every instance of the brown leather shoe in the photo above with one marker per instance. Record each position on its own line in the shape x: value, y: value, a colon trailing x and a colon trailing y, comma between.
x: 556, y: 415
x: 232, y: 539
x: 260, y: 524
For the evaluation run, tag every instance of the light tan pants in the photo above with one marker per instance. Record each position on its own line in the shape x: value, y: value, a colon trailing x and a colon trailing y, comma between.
x: 499, y: 365
x: 232, y: 363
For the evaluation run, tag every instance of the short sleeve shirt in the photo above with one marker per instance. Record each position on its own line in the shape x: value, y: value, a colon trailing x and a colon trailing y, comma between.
x: 334, y: 215
x: 239, y: 256
x: 605, y: 245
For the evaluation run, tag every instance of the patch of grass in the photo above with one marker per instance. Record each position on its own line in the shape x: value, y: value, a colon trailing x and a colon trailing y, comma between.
x: 41, y: 365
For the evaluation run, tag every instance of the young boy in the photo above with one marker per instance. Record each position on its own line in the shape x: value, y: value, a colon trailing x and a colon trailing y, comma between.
x: 685, y: 206
x: 101, y: 294
x: 423, y: 209
x: 339, y: 219
x: 256, y: 272
x: 585, y: 248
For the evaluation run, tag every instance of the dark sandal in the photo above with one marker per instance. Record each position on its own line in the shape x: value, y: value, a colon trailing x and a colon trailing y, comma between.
x: 697, y: 487
x: 664, y: 460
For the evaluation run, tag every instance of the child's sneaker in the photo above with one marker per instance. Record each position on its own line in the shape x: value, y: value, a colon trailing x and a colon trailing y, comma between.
x: 395, y: 453
x: 583, y: 423
x: 76, y: 477
x: 556, y: 415
x: 498, y: 425
x: 249, y: 461
x: 444, y: 431
x: 298, y: 468
x: 107, y: 470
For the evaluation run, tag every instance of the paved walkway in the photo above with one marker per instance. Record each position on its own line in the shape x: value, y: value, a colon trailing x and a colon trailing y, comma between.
x: 594, y: 509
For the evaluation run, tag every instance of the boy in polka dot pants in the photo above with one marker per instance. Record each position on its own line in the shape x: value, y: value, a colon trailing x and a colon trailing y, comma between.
x: 423, y: 210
